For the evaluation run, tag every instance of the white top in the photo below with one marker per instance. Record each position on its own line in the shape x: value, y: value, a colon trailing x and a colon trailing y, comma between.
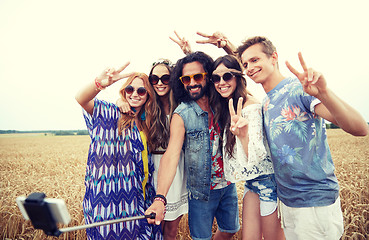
x: 240, y: 167
x: 177, y: 195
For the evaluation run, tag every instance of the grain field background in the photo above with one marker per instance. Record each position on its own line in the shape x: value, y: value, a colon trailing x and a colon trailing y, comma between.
x: 55, y: 165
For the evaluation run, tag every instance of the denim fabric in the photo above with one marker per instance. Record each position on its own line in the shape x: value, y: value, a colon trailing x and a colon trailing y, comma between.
x: 196, y: 148
x: 265, y: 186
x: 222, y: 204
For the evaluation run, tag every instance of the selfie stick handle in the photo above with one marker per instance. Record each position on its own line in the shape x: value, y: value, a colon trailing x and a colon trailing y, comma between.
x: 69, y: 229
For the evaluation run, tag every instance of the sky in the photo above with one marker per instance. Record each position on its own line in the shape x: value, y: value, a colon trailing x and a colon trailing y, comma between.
x: 51, y: 49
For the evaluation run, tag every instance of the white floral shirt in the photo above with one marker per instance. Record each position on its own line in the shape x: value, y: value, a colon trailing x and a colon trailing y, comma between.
x: 240, y: 167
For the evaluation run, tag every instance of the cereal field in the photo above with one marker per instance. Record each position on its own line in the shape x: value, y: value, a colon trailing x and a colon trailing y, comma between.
x: 55, y: 165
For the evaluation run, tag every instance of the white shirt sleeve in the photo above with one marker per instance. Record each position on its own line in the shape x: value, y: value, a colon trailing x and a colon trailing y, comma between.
x: 256, y: 147
x: 240, y: 167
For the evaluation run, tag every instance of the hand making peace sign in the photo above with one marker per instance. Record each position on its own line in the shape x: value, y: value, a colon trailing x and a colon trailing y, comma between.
x: 182, y: 43
x: 313, y: 82
x: 218, y: 39
x: 239, y: 125
x: 110, y: 76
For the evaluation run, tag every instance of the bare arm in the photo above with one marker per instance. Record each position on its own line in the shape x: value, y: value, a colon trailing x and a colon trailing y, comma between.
x: 169, y: 161
x: 341, y: 114
x: 85, y: 97
x: 168, y: 166
x: 332, y: 108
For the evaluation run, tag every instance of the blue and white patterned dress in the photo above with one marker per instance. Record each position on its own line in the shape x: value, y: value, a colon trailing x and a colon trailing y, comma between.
x: 114, y: 176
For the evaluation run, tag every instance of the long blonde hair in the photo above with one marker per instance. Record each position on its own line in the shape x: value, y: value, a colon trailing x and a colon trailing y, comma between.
x: 145, y: 115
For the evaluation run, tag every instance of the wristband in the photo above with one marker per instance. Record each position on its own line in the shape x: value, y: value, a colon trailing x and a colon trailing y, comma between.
x: 98, y: 85
x: 161, y: 198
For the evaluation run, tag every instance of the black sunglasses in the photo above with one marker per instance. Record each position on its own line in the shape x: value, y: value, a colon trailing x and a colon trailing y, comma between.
x: 140, y: 91
x: 197, y: 77
x: 155, y: 79
x: 215, y: 78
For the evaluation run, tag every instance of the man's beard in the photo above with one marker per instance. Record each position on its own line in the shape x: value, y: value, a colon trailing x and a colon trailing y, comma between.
x: 196, y: 96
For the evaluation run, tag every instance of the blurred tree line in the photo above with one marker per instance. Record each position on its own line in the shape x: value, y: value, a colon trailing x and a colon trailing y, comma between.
x: 49, y: 132
x: 85, y: 132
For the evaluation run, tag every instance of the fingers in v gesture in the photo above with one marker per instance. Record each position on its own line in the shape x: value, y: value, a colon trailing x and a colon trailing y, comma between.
x: 218, y: 39
x: 182, y: 43
x: 313, y: 82
x: 110, y: 75
x: 238, y: 124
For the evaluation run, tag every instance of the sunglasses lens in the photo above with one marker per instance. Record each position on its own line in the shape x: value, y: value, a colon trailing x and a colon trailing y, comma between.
x: 186, y: 79
x: 227, y: 76
x: 141, y: 91
x: 165, y: 79
x: 198, y: 77
x: 215, y: 78
x: 153, y: 79
x: 129, y: 89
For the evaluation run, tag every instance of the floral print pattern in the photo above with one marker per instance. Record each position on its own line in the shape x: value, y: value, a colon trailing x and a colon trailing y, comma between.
x: 299, y: 148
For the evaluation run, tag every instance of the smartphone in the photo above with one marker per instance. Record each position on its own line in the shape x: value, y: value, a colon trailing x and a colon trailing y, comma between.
x: 57, y: 208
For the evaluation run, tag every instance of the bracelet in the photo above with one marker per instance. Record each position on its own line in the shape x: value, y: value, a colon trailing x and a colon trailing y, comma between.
x: 161, y: 198
x: 158, y: 152
x: 98, y: 85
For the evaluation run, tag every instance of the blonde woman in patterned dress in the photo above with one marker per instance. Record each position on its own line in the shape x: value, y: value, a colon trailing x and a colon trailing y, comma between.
x: 177, y: 203
x: 119, y: 181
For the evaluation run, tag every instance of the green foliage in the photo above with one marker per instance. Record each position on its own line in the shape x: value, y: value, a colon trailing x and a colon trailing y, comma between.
x: 334, y: 126
x: 7, y: 131
x: 82, y: 132
x: 331, y: 126
x: 49, y: 132
x: 64, y: 133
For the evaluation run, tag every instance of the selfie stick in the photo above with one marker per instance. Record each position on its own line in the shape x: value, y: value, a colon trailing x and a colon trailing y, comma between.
x: 41, y: 216
x: 70, y: 229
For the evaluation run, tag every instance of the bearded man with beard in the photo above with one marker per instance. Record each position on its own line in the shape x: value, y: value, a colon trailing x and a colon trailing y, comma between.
x: 193, y: 129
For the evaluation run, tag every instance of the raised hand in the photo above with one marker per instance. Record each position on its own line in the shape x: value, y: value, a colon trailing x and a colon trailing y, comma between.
x: 182, y: 43
x: 218, y: 39
x: 239, y: 125
x: 110, y: 76
x: 313, y: 82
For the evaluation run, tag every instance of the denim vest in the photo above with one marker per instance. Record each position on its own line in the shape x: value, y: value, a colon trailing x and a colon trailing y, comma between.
x: 196, y: 147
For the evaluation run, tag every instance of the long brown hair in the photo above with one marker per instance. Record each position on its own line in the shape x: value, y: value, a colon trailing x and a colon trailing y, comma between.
x: 161, y: 122
x: 147, y: 113
x: 222, y: 112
